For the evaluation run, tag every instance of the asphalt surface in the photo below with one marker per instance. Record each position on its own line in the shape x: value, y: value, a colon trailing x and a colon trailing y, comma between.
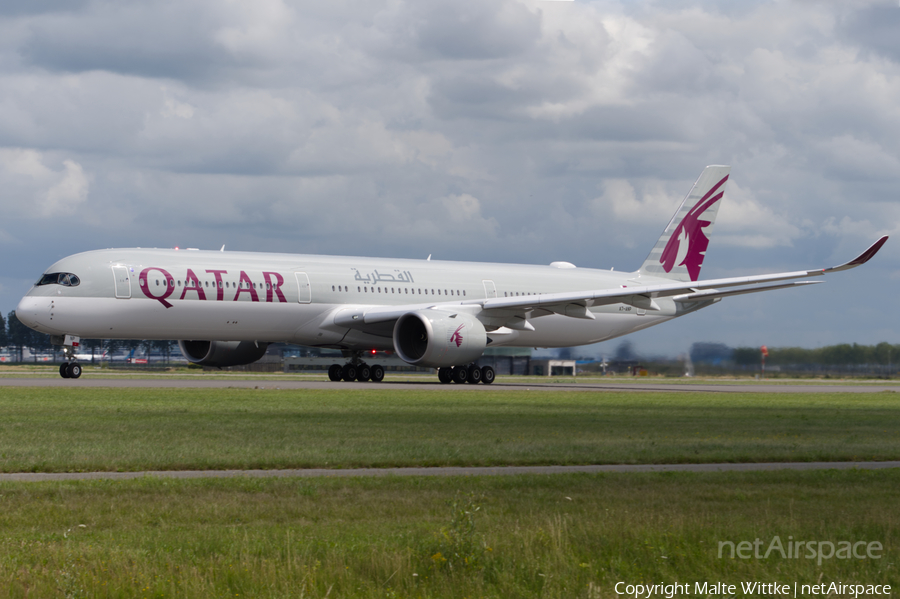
x: 163, y: 382
x: 445, y: 471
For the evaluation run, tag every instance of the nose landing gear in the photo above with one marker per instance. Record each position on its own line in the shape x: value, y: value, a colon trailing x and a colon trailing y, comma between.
x: 70, y: 369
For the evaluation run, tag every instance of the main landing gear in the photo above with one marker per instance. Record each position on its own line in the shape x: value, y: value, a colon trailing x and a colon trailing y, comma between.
x: 466, y: 374
x: 356, y: 370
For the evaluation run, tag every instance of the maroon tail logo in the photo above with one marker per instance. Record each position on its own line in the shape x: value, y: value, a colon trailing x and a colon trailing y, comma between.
x: 456, y: 337
x: 687, y: 246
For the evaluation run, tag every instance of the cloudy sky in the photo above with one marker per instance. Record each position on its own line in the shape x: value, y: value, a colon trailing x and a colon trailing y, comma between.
x: 509, y: 131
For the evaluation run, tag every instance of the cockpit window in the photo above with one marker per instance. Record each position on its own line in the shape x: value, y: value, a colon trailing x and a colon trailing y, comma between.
x: 66, y: 279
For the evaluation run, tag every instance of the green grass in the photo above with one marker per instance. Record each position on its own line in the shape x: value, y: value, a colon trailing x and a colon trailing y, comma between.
x: 517, y: 536
x: 52, y: 430
x: 525, y: 536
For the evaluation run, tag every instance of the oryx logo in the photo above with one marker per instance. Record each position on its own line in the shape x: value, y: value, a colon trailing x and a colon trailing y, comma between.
x: 688, y: 243
x: 457, y: 337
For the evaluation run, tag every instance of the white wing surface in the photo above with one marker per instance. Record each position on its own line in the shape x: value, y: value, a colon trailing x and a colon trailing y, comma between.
x: 575, y: 304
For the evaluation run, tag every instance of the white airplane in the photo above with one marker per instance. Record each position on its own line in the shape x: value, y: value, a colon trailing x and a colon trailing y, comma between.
x: 226, y: 307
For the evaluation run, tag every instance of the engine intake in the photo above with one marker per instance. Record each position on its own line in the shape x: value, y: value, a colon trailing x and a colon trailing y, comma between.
x: 222, y: 353
x: 436, y: 338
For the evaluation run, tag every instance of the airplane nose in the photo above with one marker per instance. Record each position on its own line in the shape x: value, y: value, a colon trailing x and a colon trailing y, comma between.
x: 28, y: 312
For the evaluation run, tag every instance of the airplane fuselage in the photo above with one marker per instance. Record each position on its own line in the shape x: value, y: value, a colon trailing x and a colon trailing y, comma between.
x: 267, y: 297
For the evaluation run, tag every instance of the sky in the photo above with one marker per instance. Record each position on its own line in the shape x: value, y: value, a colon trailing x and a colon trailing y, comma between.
x: 500, y: 131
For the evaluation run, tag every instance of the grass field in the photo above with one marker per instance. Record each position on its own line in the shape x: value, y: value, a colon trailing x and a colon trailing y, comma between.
x: 47, y: 430
x: 518, y: 536
x: 555, y: 536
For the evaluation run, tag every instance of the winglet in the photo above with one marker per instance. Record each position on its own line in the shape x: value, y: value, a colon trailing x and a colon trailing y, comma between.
x: 862, y: 258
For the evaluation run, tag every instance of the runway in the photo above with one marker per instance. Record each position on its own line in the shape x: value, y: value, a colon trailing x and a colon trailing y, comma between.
x: 203, y: 382
x: 444, y: 471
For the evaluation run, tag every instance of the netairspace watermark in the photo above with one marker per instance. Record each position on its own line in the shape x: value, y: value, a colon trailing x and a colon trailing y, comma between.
x: 820, y: 550
x: 706, y: 589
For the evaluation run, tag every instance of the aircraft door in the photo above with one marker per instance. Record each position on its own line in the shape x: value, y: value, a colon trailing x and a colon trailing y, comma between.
x: 489, y: 289
x: 123, y: 282
x: 304, y: 295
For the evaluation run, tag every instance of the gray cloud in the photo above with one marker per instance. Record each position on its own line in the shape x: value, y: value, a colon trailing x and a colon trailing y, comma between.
x: 875, y: 28
x: 501, y: 131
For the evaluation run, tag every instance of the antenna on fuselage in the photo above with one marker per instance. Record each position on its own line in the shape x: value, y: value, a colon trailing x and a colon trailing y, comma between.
x: 428, y: 258
x: 223, y: 248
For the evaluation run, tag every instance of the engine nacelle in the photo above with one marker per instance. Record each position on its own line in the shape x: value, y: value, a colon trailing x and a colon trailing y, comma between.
x: 222, y: 353
x: 436, y: 338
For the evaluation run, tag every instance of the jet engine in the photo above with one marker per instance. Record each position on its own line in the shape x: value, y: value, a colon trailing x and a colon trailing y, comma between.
x: 222, y: 353
x: 436, y: 338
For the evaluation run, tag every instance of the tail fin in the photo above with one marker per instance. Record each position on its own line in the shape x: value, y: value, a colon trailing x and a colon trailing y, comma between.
x: 679, y: 253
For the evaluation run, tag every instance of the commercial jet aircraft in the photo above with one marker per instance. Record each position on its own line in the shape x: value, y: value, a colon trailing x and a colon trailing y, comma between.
x: 226, y: 307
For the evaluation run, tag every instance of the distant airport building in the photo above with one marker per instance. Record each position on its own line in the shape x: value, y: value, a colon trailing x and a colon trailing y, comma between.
x: 552, y: 368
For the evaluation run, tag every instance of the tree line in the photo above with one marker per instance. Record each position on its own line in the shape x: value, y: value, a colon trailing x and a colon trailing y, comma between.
x: 17, y: 338
x: 844, y: 354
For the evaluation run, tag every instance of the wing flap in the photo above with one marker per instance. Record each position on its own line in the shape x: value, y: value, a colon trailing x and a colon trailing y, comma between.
x: 716, y: 294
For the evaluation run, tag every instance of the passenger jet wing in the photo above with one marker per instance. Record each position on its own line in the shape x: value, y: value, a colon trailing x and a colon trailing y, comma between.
x: 576, y: 304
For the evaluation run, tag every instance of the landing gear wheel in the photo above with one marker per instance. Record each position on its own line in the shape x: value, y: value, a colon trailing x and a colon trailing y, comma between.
x: 487, y: 375
x: 64, y: 370
x: 460, y: 374
x: 474, y: 375
x: 349, y: 372
x: 363, y: 373
x: 73, y: 370
x: 445, y: 375
x: 335, y: 372
x: 377, y: 373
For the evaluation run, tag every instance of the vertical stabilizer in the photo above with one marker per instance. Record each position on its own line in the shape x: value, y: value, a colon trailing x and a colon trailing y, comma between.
x: 679, y: 253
